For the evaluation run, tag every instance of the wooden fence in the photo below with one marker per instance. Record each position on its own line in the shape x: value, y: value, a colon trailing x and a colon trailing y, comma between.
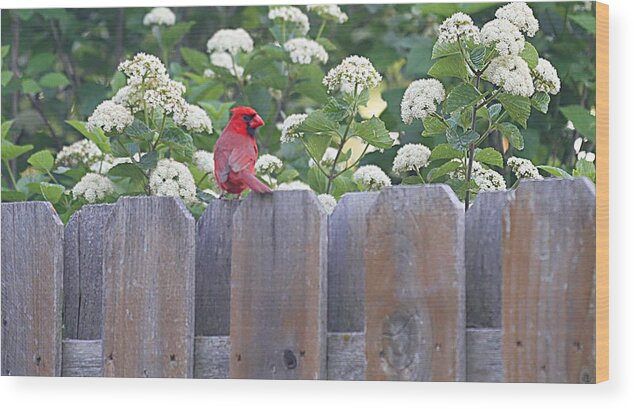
x: 397, y: 285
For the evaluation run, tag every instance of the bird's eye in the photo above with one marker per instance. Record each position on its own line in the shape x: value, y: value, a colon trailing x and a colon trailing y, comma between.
x: 247, y: 118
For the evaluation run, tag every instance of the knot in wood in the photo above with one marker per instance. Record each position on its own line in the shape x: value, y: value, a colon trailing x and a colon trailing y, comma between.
x: 289, y: 359
x: 401, y: 340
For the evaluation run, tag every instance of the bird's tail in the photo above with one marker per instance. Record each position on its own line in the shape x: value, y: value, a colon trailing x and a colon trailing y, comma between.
x: 255, y: 184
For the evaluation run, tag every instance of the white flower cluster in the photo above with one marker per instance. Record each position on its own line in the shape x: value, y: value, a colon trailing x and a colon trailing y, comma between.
x: 523, y: 168
x: 511, y: 73
x: 506, y: 37
x: 328, y: 202
x: 231, y: 41
x: 520, y: 15
x: 204, y: 161
x: 328, y: 12
x: 458, y: 25
x: 267, y: 164
x: 294, y: 185
x: 149, y: 86
x: 159, y: 16
x: 93, y: 188
x: 354, y: 71
x: 546, y: 78
x: 289, y: 127
x: 487, y: 180
x: 371, y: 177
x: 171, y: 178
x: 108, y: 162
x: 290, y: 14
x: 83, y: 152
x: 194, y: 119
x: 109, y: 116
x: 411, y: 157
x: 225, y: 60
x: 421, y: 99
x: 305, y: 51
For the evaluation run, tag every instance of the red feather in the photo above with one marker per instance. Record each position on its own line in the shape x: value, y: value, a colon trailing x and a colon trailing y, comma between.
x: 236, y: 152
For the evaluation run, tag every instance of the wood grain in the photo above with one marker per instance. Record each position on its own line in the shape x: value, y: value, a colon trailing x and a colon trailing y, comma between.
x: 346, y: 356
x: 278, y: 291
x: 148, y: 294
x: 548, y: 268
x: 484, y: 354
x: 414, y: 290
x: 82, y: 358
x: 83, y: 276
x: 347, y: 231
x: 213, y: 267
x: 32, y: 268
x: 211, y: 357
x: 603, y: 192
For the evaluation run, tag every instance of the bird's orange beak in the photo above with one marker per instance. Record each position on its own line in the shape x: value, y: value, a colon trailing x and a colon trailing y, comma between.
x: 256, y: 122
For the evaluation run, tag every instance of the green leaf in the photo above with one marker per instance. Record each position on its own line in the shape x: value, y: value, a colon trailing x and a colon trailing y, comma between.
x: 317, y: 180
x: 494, y: 111
x: 54, y: 80
x: 540, y: 101
x: 445, y: 151
x: 373, y: 131
x: 461, y: 96
x: 419, y: 59
x: 512, y: 134
x: 318, y: 122
x: 12, y: 151
x: 29, y: 86
x: 478, y: 56
x: 443, y: 49
x: 39, y: 63
x: 557, y: 172
x: 180, y: 143
x: 582, y: 120
x: 13, y: 196
x: 585, y: 168
x: 451, y: 66
x: 6, y: 125
x: 412, y: 180
x: 128, y: 170
x: 442, y: 170
x: 137, y: 130
x: 489, y: 156
x: 433, y: 126
x: 5, y: 50
x: 6, y: 76
x: 518, y: 107
x: 42, y: 160
x: 587, y: 21
x: 51, y: 191
x: 118, y: 81
x: 175, y: 33
x: 327, y: 44
x: 148, y: 160
x: 530, y: 55
x: 460, y: 140
x: 287, y: 175
x: 343, y: 184
x: 199, y: 61
x: 317, y: 144
x: 97, y: 136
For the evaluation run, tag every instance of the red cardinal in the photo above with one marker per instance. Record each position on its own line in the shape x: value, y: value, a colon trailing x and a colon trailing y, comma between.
x: 236, y: 152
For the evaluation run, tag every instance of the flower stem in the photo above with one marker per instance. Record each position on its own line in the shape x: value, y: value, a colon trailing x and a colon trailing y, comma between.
x: 11, y: 175
x: 472, y: 147
x: 333, y: 175
x: 321, y: 30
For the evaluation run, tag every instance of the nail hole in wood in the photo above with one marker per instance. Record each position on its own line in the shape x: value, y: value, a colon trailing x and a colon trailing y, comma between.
x: 289, y: 359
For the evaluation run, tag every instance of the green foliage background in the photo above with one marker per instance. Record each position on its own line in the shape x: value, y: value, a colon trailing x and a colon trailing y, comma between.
x: 58, y: 65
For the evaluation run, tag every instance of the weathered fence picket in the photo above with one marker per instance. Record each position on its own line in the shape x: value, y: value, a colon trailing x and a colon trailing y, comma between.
x: 32, y: 268
x: 395, y: 285
x: 414, y: 287
x: 278, y: 287
x: 548, y: 274
x: 347, y: 231
x: 148, y: 301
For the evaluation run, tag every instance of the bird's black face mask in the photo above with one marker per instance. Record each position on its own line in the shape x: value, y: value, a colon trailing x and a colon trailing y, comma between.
x: 247, y: 119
